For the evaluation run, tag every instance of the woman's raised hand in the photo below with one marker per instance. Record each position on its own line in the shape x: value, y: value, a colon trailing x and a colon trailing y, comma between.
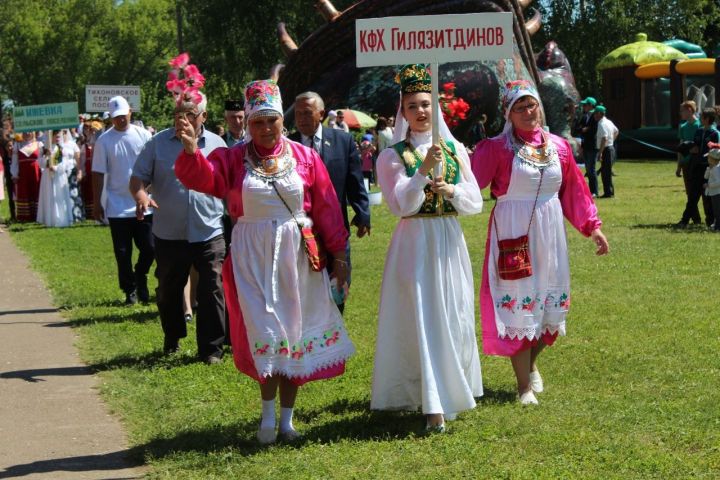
x: 186, y: 132
x: 432, y: 158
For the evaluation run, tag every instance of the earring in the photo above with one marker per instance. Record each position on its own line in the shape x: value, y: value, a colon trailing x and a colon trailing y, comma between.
x: 285, y: 132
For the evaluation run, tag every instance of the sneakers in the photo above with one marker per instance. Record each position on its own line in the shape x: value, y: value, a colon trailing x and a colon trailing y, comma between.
x: 536, y: 382
x: 213, y: 359
x: 188, y: 318
x: 528, y: 398
x: 131, y: 298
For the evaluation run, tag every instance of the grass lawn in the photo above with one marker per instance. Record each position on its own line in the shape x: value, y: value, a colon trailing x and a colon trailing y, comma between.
x: 631, y: 392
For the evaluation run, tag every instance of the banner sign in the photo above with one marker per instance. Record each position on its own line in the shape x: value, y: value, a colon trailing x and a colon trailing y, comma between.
x: 433, y: 39
x: 97, y: 96
x: 50, y: 116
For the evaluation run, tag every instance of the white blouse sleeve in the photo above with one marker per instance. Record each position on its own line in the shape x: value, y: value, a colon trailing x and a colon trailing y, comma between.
x: 467, y: 199
x: 404, y: 195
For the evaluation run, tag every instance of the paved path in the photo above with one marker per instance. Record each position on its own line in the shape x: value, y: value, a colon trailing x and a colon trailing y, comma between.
x: 53, y: 424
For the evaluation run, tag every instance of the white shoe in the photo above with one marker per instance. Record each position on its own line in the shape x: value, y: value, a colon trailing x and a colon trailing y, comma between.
x: 266, y: 436
x: 528, y: 398
x: 536, y: 382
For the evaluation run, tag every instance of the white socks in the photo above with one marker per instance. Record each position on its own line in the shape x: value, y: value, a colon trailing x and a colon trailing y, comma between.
x: 268, y: 414
x: 286, y: 415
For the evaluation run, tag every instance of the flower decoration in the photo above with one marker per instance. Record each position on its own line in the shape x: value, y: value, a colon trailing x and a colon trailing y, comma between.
x: 184, y: 80
x: 454, y: 109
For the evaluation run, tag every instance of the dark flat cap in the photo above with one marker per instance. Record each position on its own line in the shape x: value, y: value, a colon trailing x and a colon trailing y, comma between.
x: 234, y: 105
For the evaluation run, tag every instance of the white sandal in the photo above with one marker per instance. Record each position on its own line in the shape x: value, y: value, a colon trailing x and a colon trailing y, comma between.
x: 528, y: 398
x: 536, y: 382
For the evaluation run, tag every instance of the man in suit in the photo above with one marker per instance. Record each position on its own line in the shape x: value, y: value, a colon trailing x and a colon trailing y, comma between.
x: 342, y: 159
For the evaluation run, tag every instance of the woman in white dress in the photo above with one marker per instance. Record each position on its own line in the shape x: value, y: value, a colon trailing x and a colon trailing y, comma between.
x: 536, y: 182
x: 55, y: 207
x: 427, y: 354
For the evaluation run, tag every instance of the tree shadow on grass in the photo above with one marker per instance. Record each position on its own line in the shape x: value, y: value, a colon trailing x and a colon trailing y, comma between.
x: 147, y: 361
x: 497, y: 397
x: 360, y: 423
x: 672, y: 228
x: 139, y: 316
x: 113, y: 464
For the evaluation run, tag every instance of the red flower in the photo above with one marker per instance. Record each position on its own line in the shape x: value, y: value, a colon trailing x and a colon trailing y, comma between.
x: 454, y: 109
x: 194, y: 77
x: 176, y: 87
x: 193, y: 94
x: 180, y: 61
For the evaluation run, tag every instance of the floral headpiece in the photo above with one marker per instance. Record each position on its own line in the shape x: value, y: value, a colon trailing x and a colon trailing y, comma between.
x: 262, y: 98
x: 185, y: 80
x: 414, y: 78
x: 514, y: 91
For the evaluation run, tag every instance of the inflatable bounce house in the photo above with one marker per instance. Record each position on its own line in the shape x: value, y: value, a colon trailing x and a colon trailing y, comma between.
x: 644, y: 84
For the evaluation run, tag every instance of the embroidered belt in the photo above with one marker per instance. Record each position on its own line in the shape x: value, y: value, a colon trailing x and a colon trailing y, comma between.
x: 435, y: 214
x: 27, y: 160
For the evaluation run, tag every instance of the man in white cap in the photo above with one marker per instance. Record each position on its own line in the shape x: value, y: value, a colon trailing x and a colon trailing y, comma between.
x: 113, y: 159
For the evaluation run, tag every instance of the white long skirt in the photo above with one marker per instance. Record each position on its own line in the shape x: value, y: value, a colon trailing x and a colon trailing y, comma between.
x: 427, y: 354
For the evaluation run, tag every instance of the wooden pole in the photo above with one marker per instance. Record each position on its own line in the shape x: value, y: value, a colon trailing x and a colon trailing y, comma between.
x: 437, y: 170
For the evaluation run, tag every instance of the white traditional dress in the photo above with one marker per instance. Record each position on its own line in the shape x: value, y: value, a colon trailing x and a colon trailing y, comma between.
x: 516, y: 314
x: 55, y: 206
x: 427, y: 353
x: 283, y: 320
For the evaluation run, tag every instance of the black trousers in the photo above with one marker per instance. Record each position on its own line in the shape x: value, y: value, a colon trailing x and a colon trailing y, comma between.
x: 124, y: 232
x: 695, y: 193
x: 608, y: 158
x: 590, y: 158
x: 174, y: 258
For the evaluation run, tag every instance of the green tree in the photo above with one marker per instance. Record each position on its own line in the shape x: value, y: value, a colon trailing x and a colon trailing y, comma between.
x: 51, y: 54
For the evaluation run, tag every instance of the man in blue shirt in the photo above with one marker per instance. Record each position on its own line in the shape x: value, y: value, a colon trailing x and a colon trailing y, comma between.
x: 188, y: 231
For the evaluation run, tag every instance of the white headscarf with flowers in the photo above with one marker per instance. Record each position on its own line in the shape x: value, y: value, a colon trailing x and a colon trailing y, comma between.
x: 513, y: 92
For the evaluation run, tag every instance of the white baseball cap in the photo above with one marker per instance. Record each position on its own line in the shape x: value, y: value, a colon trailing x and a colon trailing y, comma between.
x: 118, y: 106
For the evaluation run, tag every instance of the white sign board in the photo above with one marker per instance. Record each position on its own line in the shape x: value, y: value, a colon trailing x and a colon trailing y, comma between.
x: 49, y: 116
x: 433, y: 39
x: 97, y: 96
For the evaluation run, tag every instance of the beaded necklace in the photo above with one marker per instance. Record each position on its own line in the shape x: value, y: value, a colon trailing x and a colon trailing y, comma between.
x: 540, y: 156
x: 270, y: 167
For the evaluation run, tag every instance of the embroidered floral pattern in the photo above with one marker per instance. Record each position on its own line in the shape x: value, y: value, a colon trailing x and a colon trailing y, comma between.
x: 302, y: 348
x: 262, y: 93
x: 508, y: 303
x: 530, y: 304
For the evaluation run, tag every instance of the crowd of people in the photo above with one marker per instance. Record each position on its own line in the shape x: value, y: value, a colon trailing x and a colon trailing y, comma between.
x: 261, y: 218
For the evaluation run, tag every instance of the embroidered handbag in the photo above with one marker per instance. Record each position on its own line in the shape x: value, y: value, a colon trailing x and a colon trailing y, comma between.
x: 513, y: 262
x: 313, y: 249
x: 311, y: 241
